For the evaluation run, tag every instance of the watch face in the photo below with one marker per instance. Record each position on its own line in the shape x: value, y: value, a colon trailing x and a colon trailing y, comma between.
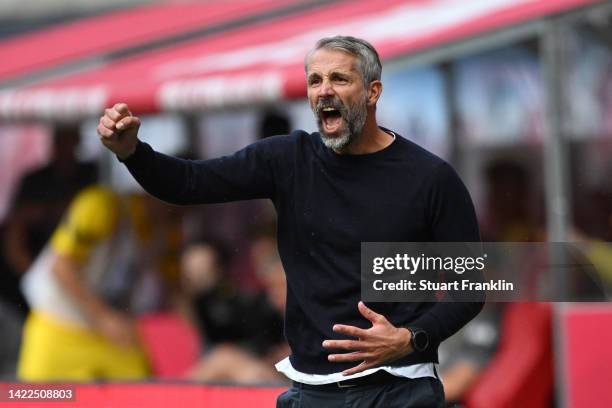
x: 420, y: 340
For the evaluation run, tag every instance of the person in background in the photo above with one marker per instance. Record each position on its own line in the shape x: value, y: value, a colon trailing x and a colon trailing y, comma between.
x: 242, y: 331
x: 509, y: 214
x: 508, y: 217
x: 465, y: 356
x: 160, y: 236
x: 42, y: 198
x: 80, y: 290
x: 273, y: 123
x: 594, y: 237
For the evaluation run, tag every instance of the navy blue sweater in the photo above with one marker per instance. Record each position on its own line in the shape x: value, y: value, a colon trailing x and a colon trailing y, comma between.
x: 328, y: 204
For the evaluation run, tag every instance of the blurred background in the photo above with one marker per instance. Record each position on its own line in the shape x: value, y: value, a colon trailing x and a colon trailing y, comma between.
x: 516, y: 94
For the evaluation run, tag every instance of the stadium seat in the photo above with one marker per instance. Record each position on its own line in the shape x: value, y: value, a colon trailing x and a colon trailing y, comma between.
x: 172, y: 344
x: 521, y: 372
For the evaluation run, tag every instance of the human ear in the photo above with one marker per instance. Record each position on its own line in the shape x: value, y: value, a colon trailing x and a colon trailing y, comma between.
x: 374, y: 91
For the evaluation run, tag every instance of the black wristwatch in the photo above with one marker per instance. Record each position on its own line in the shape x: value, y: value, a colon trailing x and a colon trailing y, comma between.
x: 419, y: 339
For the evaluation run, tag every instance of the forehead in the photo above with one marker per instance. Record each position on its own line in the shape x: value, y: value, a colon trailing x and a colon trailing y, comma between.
x: 325, y: 60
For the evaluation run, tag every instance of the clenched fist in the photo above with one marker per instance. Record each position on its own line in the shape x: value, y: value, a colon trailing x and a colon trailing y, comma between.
x: 118, y: 130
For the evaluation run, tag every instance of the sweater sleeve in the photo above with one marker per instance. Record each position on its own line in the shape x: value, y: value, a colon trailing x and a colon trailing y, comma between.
x: 452, y: 219
x: 247, y: 174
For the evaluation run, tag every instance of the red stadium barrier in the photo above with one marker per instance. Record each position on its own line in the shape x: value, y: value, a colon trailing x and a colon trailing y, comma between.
x: 587, y: 355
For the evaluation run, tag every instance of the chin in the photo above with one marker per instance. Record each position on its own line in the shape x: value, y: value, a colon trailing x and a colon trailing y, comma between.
x: 335, y: 141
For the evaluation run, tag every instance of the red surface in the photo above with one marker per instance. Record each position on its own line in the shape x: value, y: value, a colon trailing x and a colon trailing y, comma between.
x: 116, y: 30
x: 171, y: 343
x: 264, y: 62
x: 159, y: 395
x: 521, y: 372
x: 587, y: 353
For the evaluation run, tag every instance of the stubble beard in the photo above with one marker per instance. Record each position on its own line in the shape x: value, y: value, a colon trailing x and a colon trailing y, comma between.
x: 354, y: 117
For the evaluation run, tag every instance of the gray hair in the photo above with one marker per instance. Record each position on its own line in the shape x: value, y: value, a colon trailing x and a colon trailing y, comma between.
x: 368, y: 62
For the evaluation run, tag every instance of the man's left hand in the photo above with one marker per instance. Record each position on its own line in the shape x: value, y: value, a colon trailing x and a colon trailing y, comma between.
x: 380, y: 344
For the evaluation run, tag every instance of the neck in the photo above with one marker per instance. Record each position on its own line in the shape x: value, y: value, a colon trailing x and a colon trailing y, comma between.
x: 371, y: 140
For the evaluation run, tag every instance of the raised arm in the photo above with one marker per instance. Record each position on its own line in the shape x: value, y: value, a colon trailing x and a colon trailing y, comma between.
x: 247, y: 174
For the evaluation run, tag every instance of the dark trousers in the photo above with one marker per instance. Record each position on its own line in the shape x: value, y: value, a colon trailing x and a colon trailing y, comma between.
x: 423, y: 392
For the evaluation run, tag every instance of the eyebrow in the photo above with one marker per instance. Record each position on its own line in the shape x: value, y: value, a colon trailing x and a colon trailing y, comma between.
x: 340, y: 75
x: 344, y: 75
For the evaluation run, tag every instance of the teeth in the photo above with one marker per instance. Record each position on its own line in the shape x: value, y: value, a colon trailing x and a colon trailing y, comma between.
x: 328, y: 109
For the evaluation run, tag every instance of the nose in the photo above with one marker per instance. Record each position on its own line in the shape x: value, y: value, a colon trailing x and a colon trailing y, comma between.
x: 326, y: 88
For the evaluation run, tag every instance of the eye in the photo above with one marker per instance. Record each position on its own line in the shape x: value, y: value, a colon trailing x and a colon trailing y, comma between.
x: 340, y: 79
x: 314, y: 81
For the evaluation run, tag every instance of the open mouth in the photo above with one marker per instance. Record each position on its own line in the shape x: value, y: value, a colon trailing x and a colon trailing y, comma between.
x: 331, y: 118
